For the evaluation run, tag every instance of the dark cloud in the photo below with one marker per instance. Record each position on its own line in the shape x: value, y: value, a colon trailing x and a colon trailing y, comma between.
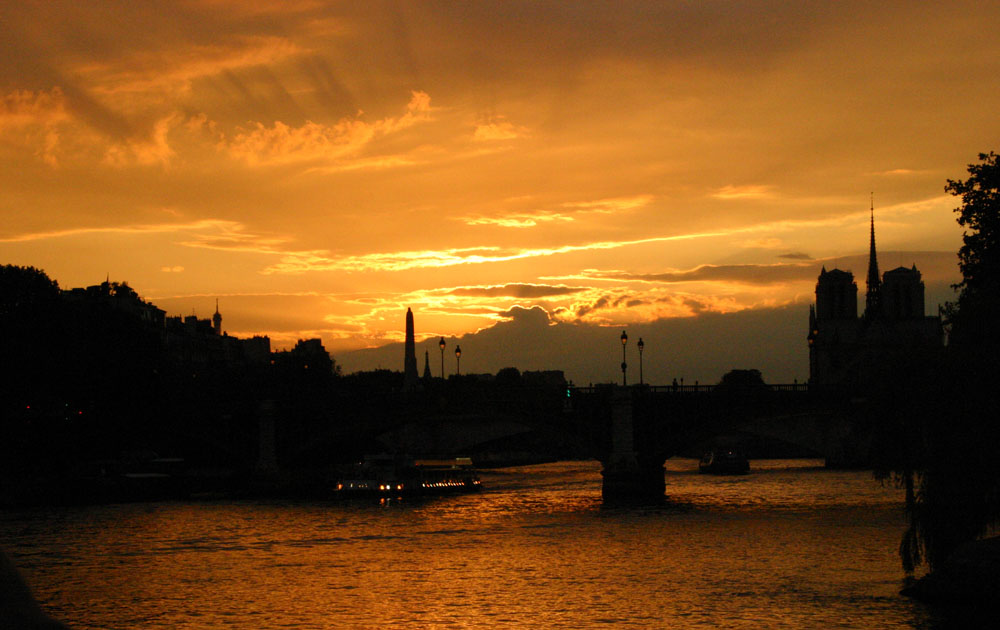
x: 703, y: 347
x: 796, y: 256
x: 597, y: 305
x: 462, y: 310
x: 531, y: 316
x: 933, y: 265
x: 517, y: 290
x: 696, y: 306
x: 746, y: 274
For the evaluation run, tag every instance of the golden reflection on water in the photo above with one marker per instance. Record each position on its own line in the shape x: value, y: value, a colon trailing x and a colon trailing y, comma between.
x: 783, y: 547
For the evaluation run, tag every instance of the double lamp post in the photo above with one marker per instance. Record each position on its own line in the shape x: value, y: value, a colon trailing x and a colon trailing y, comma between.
x: 458, y: 358
x: 639, y: 345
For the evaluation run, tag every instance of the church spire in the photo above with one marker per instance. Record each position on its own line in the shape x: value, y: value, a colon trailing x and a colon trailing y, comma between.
x: 874, y: 285
x: 217, y: 319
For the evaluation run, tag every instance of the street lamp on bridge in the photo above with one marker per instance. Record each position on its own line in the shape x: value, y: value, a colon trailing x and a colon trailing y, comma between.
x: 458, y: 360
x: 441, y: 345
x: 640, y: 346
x: 624, y: 365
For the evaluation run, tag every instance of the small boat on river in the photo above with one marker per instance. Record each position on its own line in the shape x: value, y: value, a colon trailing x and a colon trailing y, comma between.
x: 396, y: 476
x: 724, y: 461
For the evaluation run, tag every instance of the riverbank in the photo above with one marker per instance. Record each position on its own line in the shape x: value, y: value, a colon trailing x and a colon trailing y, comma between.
x: 969, y: 577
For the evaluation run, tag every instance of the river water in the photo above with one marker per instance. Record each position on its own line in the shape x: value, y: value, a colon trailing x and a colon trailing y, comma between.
x: 791, y: 545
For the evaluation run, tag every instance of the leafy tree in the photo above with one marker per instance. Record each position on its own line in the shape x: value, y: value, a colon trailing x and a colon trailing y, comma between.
x: 979, y: 257
x: 946, y: 433
x: 28, y: 312
x: 741, y: 381
x: 973, y: 318
x: 25, y: 288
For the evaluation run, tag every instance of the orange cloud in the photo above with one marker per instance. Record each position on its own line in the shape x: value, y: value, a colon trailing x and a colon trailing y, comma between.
x: 154, y: 150
x: 613, y: 205
x: 744, y: 192
x: 568, y: 212
x: 32, y: 120
x: 518, y: 220
x: 295, y: 262
x: 283, y: 144
x: 179, y: 65
x: 22, y: 108
x: 498, y: 129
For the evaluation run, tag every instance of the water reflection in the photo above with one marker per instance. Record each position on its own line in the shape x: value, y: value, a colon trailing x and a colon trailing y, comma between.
x: 789, y: 546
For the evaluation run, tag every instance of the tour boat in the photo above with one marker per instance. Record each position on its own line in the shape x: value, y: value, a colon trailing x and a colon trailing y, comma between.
x: 724, y: 461
x: 395, y: 476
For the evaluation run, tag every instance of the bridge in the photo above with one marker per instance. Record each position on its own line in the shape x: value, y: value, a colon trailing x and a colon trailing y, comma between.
x: 632, y: 430
x: 636, y: 429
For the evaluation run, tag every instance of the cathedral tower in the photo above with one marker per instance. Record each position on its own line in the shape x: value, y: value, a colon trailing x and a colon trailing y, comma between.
x: 902, y: 294
x: 845, y: 350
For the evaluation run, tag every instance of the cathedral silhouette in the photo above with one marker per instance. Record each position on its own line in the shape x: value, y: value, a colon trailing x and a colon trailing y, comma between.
x: 845, y: 349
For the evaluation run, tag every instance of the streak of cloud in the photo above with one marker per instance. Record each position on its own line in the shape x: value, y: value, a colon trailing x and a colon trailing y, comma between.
x: 744, y: 192
x: 745, y: 274
x: 516, y: 290
x: 297, y: 262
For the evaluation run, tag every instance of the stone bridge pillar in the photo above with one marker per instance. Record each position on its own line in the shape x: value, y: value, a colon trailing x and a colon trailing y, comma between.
x: 627, y: 476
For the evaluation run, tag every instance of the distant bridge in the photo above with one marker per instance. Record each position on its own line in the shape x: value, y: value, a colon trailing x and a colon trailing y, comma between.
x: 630, y: 430
x: 644, y: 426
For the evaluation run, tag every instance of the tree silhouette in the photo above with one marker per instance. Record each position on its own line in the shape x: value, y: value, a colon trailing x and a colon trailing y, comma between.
x: 979, y: 257
x: 945, y: 439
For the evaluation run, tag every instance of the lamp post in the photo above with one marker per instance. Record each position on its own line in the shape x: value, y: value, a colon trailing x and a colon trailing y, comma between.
x: 640, y: 346
x: 458, y: 360
x: 441, y: 345
x: 624, y: 365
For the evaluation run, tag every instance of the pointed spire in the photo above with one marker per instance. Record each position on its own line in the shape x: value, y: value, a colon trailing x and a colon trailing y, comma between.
x: 874, y: 284
x: 217, y: 319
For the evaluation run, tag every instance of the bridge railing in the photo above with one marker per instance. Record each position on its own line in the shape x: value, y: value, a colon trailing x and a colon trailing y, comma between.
x: 686, y: 389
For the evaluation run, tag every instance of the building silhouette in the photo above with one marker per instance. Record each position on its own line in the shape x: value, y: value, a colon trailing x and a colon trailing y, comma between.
x: 848, y: 350
x: 185, y: 340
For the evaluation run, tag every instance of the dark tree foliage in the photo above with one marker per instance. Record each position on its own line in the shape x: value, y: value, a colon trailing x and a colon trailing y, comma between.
x: 23, y: 290
x: 979, y: 257
x: 28, y: 300
x: 741, y: 380
x: 947, y: 438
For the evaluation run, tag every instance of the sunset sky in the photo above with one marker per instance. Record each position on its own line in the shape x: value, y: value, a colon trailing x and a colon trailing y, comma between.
x: 545, y: 173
